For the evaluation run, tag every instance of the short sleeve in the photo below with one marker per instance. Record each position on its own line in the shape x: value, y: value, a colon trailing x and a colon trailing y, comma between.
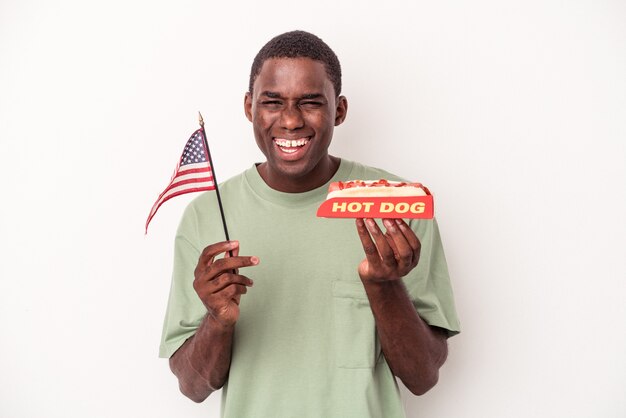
x: 429, y: 283
x: 185, y: 310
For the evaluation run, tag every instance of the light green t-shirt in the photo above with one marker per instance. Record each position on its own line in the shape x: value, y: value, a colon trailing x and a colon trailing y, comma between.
x: 305, y: 344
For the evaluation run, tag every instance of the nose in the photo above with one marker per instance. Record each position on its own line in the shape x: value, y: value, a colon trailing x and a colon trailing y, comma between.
x: 291, y: 118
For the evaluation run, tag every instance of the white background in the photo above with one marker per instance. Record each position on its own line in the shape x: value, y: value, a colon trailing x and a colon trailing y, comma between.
x: 512, y: 112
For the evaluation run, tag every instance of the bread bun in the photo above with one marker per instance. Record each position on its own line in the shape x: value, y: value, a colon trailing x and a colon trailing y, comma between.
x: 374, y: 188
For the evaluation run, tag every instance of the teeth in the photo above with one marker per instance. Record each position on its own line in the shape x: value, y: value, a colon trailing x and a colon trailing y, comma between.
x: 286, y: 143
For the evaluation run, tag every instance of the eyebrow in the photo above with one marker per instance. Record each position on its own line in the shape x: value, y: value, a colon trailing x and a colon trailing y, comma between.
x: 311, y: 96
x: 308, y: 96
x: 271, y: 94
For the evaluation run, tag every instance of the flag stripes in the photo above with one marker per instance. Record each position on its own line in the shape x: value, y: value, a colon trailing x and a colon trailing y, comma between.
x: 193, y: 173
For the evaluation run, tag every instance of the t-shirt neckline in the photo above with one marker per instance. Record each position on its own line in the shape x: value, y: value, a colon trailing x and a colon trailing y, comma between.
x: 258, y: 185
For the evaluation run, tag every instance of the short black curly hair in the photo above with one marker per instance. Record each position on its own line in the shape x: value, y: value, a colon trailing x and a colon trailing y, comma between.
x: 298, y: 44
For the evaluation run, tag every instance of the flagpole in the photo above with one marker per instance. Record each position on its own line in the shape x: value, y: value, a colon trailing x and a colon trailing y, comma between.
x: 217, y: 190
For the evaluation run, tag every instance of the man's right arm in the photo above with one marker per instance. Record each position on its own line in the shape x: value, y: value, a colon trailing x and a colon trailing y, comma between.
x: 202, y: 363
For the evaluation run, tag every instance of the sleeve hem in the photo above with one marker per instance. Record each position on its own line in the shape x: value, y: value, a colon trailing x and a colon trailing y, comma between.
x: 452, y: 329
x: 166, y: 350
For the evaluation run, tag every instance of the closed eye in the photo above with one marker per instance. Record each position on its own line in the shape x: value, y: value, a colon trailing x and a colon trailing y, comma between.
x: 273, y: 104
x: 312, y: 104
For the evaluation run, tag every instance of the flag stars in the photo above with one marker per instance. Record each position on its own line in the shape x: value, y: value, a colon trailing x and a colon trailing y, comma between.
x: 194, y: 151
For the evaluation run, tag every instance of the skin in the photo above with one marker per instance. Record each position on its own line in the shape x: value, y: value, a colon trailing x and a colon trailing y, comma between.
x: 202, y: 362
x: 414, y: 350
x: 293, y: 99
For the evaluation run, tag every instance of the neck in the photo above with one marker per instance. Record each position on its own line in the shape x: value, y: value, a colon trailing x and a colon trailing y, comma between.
x: 320, y: 175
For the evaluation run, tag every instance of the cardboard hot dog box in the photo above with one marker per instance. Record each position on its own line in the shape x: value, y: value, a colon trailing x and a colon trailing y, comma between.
x: 377, y: 199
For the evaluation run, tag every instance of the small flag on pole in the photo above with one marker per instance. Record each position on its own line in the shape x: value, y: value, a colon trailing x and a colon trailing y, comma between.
x: 193, y: 173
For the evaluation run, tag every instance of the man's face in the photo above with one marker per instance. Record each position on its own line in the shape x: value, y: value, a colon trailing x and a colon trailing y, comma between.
x: 293, y: 110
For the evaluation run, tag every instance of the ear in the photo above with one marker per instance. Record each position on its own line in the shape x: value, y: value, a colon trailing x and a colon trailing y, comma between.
x: 341, y: 111
x: 247, y: 106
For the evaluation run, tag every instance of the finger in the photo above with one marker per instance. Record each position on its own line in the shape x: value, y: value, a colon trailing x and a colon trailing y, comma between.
x: 230, y: 264
x: 411, y: 238
x: 403, y: 251
x: 371, y: 253
x: 241, y: 290
x: 211, y: 251
x: 233, y: 291
x: 233, y: 253
x: 237, y: 299
x: 392, y: 244
x: 223, y: 281
x: 384, y: 249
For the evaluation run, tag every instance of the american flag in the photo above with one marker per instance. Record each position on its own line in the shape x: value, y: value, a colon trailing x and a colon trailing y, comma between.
x: 193, y: 173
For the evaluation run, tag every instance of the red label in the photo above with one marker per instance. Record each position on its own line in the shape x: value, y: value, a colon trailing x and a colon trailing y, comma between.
x: 419, y: 207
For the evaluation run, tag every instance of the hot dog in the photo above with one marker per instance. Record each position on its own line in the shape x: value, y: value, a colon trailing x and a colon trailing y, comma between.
x: 377, y: 199
x: 375, y: 188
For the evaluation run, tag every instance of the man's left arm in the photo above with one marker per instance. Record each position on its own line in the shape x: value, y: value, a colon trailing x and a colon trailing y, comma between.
x: 413, y: 349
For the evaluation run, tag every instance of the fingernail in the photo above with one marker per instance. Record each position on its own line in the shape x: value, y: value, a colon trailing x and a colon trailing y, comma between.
x: 233, y: 244
x: 254, y: 260
x: 371, y: 222
x: 389, y: 224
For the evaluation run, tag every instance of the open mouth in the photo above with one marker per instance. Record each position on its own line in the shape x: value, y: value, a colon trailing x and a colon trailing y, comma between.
x: 291, y: 146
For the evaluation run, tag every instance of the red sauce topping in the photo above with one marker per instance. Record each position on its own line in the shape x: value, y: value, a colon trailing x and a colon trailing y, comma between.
x: 379, y: 183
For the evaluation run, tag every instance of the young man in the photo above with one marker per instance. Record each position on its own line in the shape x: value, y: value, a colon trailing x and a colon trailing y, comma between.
x: 335, y: 311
